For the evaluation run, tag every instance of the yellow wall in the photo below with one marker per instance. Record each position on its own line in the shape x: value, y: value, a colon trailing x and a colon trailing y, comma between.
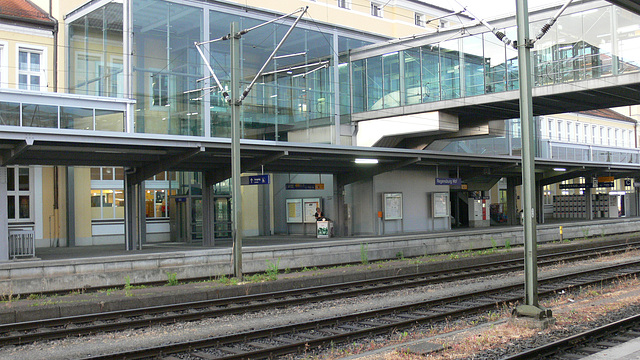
x: 17, y: 39
x: 82, y: 202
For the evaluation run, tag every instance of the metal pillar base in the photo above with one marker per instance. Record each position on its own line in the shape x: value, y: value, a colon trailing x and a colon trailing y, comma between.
x: 533, y: 317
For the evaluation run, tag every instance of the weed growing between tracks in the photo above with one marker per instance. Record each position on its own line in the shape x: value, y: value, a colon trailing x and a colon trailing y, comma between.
x: 489, y: 335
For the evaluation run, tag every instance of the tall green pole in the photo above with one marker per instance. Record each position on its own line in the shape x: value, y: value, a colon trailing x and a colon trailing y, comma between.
x: 531, y: 308
x: 528, y: 166
x: 235, y: 151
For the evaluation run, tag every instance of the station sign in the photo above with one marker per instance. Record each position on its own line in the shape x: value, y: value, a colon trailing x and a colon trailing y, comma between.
x: 448, y: 181
x: 596, y: 184
x: 255, y: 180
x: 292, y: 186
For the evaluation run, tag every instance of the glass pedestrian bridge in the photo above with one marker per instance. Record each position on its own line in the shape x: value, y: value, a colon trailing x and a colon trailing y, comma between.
x: 592, y: 40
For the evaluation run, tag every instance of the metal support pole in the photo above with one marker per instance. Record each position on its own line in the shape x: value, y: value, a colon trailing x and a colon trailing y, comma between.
x: 524, y: 45
x: 235, y: 151
x: 4, y: 216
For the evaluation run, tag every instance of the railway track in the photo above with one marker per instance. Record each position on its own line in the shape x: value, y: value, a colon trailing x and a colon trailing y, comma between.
x: 57, y: 328
x: 280, y: 340
x: 586, y: 343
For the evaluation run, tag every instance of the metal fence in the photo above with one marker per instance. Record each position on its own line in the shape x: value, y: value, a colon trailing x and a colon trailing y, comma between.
x: 22, y: 244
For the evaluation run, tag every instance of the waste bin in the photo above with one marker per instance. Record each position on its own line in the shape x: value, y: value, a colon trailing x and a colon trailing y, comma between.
x: 324, y: 229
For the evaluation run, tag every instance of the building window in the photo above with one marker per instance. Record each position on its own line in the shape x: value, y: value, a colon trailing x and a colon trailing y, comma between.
x: 569, y: 131
x: 29, y: 69
x: 160, y: 89
x: 586, y: 134
x: 376, y: 10
x: 602, y: 136
x: 3, y: 65
x: 559, y: 130
x: 594, y: 134
x: 611, y: 137
x: 419, y: 18
x: 18, y: 194
x: 345, y: 4
x: 550, y: 129
x: 444, y: 24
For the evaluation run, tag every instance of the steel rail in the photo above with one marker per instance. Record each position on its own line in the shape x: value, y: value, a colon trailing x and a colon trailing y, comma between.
x: 352, y: 326
x: 56, y: 328
x: 578, y: 340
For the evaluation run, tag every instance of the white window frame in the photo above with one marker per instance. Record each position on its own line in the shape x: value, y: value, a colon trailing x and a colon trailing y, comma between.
x: 17, y: 193
x: 586, y: 133
x: 4, y: 68
x: 419, y: 19
x: 344, y: 4
x: 152, y: 95
x: 43, y: 65
x: 560, y: 130
x: 377, y: 10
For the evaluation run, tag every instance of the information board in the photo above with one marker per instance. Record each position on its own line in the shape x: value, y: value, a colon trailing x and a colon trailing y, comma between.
x: 294, y: 210
x: 309, y: 206
x: 392, y: 206
x: 440, y: 204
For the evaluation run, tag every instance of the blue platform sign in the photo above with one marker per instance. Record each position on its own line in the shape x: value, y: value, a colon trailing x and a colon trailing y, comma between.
x: 448, y: 181
x: 255, y: 180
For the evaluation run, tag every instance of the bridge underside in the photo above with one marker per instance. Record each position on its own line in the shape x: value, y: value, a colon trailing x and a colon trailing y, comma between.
x: 474, y: 114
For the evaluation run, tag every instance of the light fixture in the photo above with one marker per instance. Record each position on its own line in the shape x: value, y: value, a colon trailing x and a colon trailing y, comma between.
x: 559, y: 169
x: 366, y: 161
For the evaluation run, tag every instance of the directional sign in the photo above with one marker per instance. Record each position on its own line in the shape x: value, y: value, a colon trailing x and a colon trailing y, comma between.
x: 291, y: 186
x: 255, y: 180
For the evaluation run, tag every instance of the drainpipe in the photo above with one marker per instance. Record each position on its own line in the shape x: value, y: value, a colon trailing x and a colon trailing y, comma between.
x: 55, y: 47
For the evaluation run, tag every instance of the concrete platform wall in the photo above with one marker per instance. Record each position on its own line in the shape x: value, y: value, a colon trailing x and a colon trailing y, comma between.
x: 22, y: 277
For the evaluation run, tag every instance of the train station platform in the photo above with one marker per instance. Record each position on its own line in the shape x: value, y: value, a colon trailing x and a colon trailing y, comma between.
x: 60, y: 269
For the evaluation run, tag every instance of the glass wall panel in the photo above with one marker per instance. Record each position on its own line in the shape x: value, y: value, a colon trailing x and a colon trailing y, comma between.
x: 430, y: 73
x: 9, y: 114
x: 474, y: 65
x: 412, y: 86
x: 109, y: 120
x: 495, y: 57
x: 358, y: 89
x: 374, y: 83
x: 39, y: 115
x: 95, y: 53
x: 76, y: 118
x: 597, y: 35
x: 391, y: 79
x: 166, y: 67
x: 450, y: 69
x: 569, y: 49
x: 512, y: 61
x: 344, y: 90
x: 628, y: 34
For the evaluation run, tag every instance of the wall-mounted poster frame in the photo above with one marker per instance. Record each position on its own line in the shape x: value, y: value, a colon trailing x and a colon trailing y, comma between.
x: 392, y: 203
x: 309, y: 209
x: 440, y: 203
x: 294, y: 211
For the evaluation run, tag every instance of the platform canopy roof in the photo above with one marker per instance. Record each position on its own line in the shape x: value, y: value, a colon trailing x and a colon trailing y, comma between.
x: 149, y: 154
x: 630, y: 5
